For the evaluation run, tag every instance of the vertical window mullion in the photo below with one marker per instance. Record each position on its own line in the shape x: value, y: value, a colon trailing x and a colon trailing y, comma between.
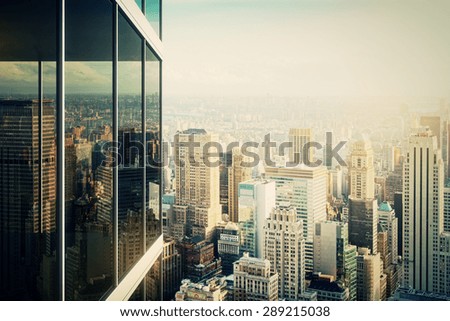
x: 144, y: 155
x: 115, y: 123
x: 60, y: 153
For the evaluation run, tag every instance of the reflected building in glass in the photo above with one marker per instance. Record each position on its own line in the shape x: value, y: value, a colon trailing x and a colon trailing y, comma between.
x: 80, y: 116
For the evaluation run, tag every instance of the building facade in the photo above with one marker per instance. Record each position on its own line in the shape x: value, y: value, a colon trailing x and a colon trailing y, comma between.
x: 77, y: 73
x: 284, y: 247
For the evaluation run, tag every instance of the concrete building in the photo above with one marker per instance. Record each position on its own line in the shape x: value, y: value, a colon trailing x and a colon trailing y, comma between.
x: 172, y: 269
x: 334, y: 256
x: 305, y: 189
x: 214, y: 289
x: 256, y: 201
x: 284, y: 247
x: 362, y: 216
x: 423, y: 212
x: 237, y: 173
x: 369, y: 270
x: 299, y: 137
x: 197, y: 209
x: 254, y: 281
x: 229, y: 247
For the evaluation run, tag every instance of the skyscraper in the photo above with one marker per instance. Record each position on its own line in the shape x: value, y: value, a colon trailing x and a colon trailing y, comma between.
x: 237, y: 173
x: 284, y: 247
x: 423, y: 211
x: 79, y: 70
x: 256, y: 201
x: 300, y: 137
x: 362, y: 216
x: 305, y: 189
x: 334, y: 256
x: 229, y: 247
x: 369, y: 270
x: 197, y: 206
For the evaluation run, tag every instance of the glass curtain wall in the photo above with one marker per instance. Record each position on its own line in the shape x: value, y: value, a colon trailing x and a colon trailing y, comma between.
x: 80, y: 240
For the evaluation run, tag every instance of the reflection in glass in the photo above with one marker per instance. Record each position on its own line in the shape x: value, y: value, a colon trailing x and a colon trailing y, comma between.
x: 131, y: 216
x: 27, y: 187
x: 153, y: 13
x: 88, y: 134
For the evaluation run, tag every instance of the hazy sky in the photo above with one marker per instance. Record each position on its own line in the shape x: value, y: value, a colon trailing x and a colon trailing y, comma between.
x: 307, y: 47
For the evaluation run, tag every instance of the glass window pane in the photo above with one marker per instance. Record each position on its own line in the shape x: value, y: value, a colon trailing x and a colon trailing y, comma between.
x: 88, y: 168
x: 131, y: 172
x: 153, y: 14
x: 153, y: 168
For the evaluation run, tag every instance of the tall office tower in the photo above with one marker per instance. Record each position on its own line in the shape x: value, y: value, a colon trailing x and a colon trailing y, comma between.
x: 337, y: 180
x: 224, y: 168
x: 27, y: 194
x: 299, y: 137
x: 447, y: 207
x: 238, y: 172
x: 444, y: 263
x: 197, y: 259
x: 368, y: 275
x: 434, y: 124
x: 398, y: 209
x: 388, y: 220
x: 197, y: 184
x: 228, y: 247
x: 423, y: 211
x: 394, y: 184
x: 214, y: 289
x: 99, y: 61
x: 304, y: 188
x: 254, y: 280
x: 256, y: 201
x: 168, y: 218
x: 284, y: 247
x: 362, y: 216
x: 334, y: 256
x: 171, y: 264
x: 361, y: 170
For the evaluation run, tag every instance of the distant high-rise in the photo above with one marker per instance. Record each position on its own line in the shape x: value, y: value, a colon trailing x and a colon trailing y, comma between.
x: 362, y: 216
x: 334, y: 256
x: 284, y: 247
x: 256, y: 201
x: 237, y: 173
x: 447, y: 208
x: 171, y: 264
x: 229, y: 247
x: 197, y: 208
x: 305, y: 189
x: 254, y: 281
x: 362, y: 175
x: 423, y: 211
x: 299, y: 137
x: 434, y: 124
x: 387, y: 219
x: 369, y: 270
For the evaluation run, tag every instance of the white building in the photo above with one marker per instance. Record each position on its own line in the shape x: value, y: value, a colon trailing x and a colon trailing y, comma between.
x: 304, y: 188
x: 284, y: 247
x: 256, y: 201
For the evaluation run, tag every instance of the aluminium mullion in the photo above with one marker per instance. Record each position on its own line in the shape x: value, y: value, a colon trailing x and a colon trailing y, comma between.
x: 115, y: 125
x: 60, y: 153
x: 144, y: 155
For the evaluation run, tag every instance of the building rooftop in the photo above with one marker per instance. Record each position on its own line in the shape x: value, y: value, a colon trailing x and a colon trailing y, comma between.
x: 385, y: 207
